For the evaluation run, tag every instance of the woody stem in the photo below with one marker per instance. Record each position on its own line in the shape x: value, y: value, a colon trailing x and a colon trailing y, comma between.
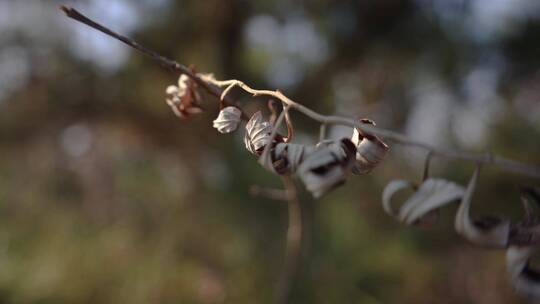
x: 213, y: 87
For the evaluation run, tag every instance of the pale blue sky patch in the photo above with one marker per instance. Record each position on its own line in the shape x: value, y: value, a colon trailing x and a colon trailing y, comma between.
x: 290, y: 47
x: 104, y: 52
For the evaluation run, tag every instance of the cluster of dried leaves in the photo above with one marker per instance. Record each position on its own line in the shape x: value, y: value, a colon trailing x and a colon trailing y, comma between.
x: 320, y: 167
x: 184, y: 99
x: 520, y: 239
x: 326, y: 165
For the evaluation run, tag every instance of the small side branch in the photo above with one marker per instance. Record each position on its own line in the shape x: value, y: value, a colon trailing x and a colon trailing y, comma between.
x: 269, y: 193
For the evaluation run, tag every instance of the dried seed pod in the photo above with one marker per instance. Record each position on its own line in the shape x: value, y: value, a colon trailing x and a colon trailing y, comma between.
x: 327, y: 166
x: 257, y: 133
x: 370, y: 150
x: 227, y: 120
x: 184, y: 99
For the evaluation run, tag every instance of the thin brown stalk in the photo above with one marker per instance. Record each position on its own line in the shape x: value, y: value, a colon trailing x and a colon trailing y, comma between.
x: 269, y: 193
x: 293, y: 249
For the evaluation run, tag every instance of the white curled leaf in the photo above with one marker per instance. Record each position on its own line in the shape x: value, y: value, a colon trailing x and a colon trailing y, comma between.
x: 491, y: 233
x: 526, y: 281
x: 432, y: 194
x: 227, y: 120
x: 389, y: 191
x: 183, y: 83
x: 172, y: 90
x: 326, y: 167
x: 370, y: 151
x: 320, y: 183
x: 293, y: 154
x: 285, y: 158
x: 257, y: 133
x: 335, y: 147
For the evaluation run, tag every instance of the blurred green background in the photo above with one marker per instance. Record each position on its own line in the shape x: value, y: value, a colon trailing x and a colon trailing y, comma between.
x: 107, y: 197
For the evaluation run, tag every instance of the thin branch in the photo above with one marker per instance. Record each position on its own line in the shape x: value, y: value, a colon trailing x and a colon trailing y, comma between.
x: 164, y: 61
x: 484, y: 158
x: 293, y: 246
x: 213, y: 86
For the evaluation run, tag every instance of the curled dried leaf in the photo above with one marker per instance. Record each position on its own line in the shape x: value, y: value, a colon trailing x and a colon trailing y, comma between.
x: 258, y: 133
x: 227, y: 120
x: 527, y: 231
x: 417, y: 209
x: 525, y: 279
x: 184, y: 99
x: 371, y: 150
x: 530, y: 196
x: 327, y: 166
x: 488, y: 232
x: 293, y: 155
x: 285, y: 158
x: 392, y: 188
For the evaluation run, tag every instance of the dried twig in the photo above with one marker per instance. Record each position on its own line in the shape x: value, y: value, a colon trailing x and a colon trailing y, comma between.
x: 164, y: 61
x: 484, y: 158
x: 213, y: 87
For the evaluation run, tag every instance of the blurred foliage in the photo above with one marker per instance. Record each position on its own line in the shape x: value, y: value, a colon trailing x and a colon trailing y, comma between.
x: 106, y: 197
